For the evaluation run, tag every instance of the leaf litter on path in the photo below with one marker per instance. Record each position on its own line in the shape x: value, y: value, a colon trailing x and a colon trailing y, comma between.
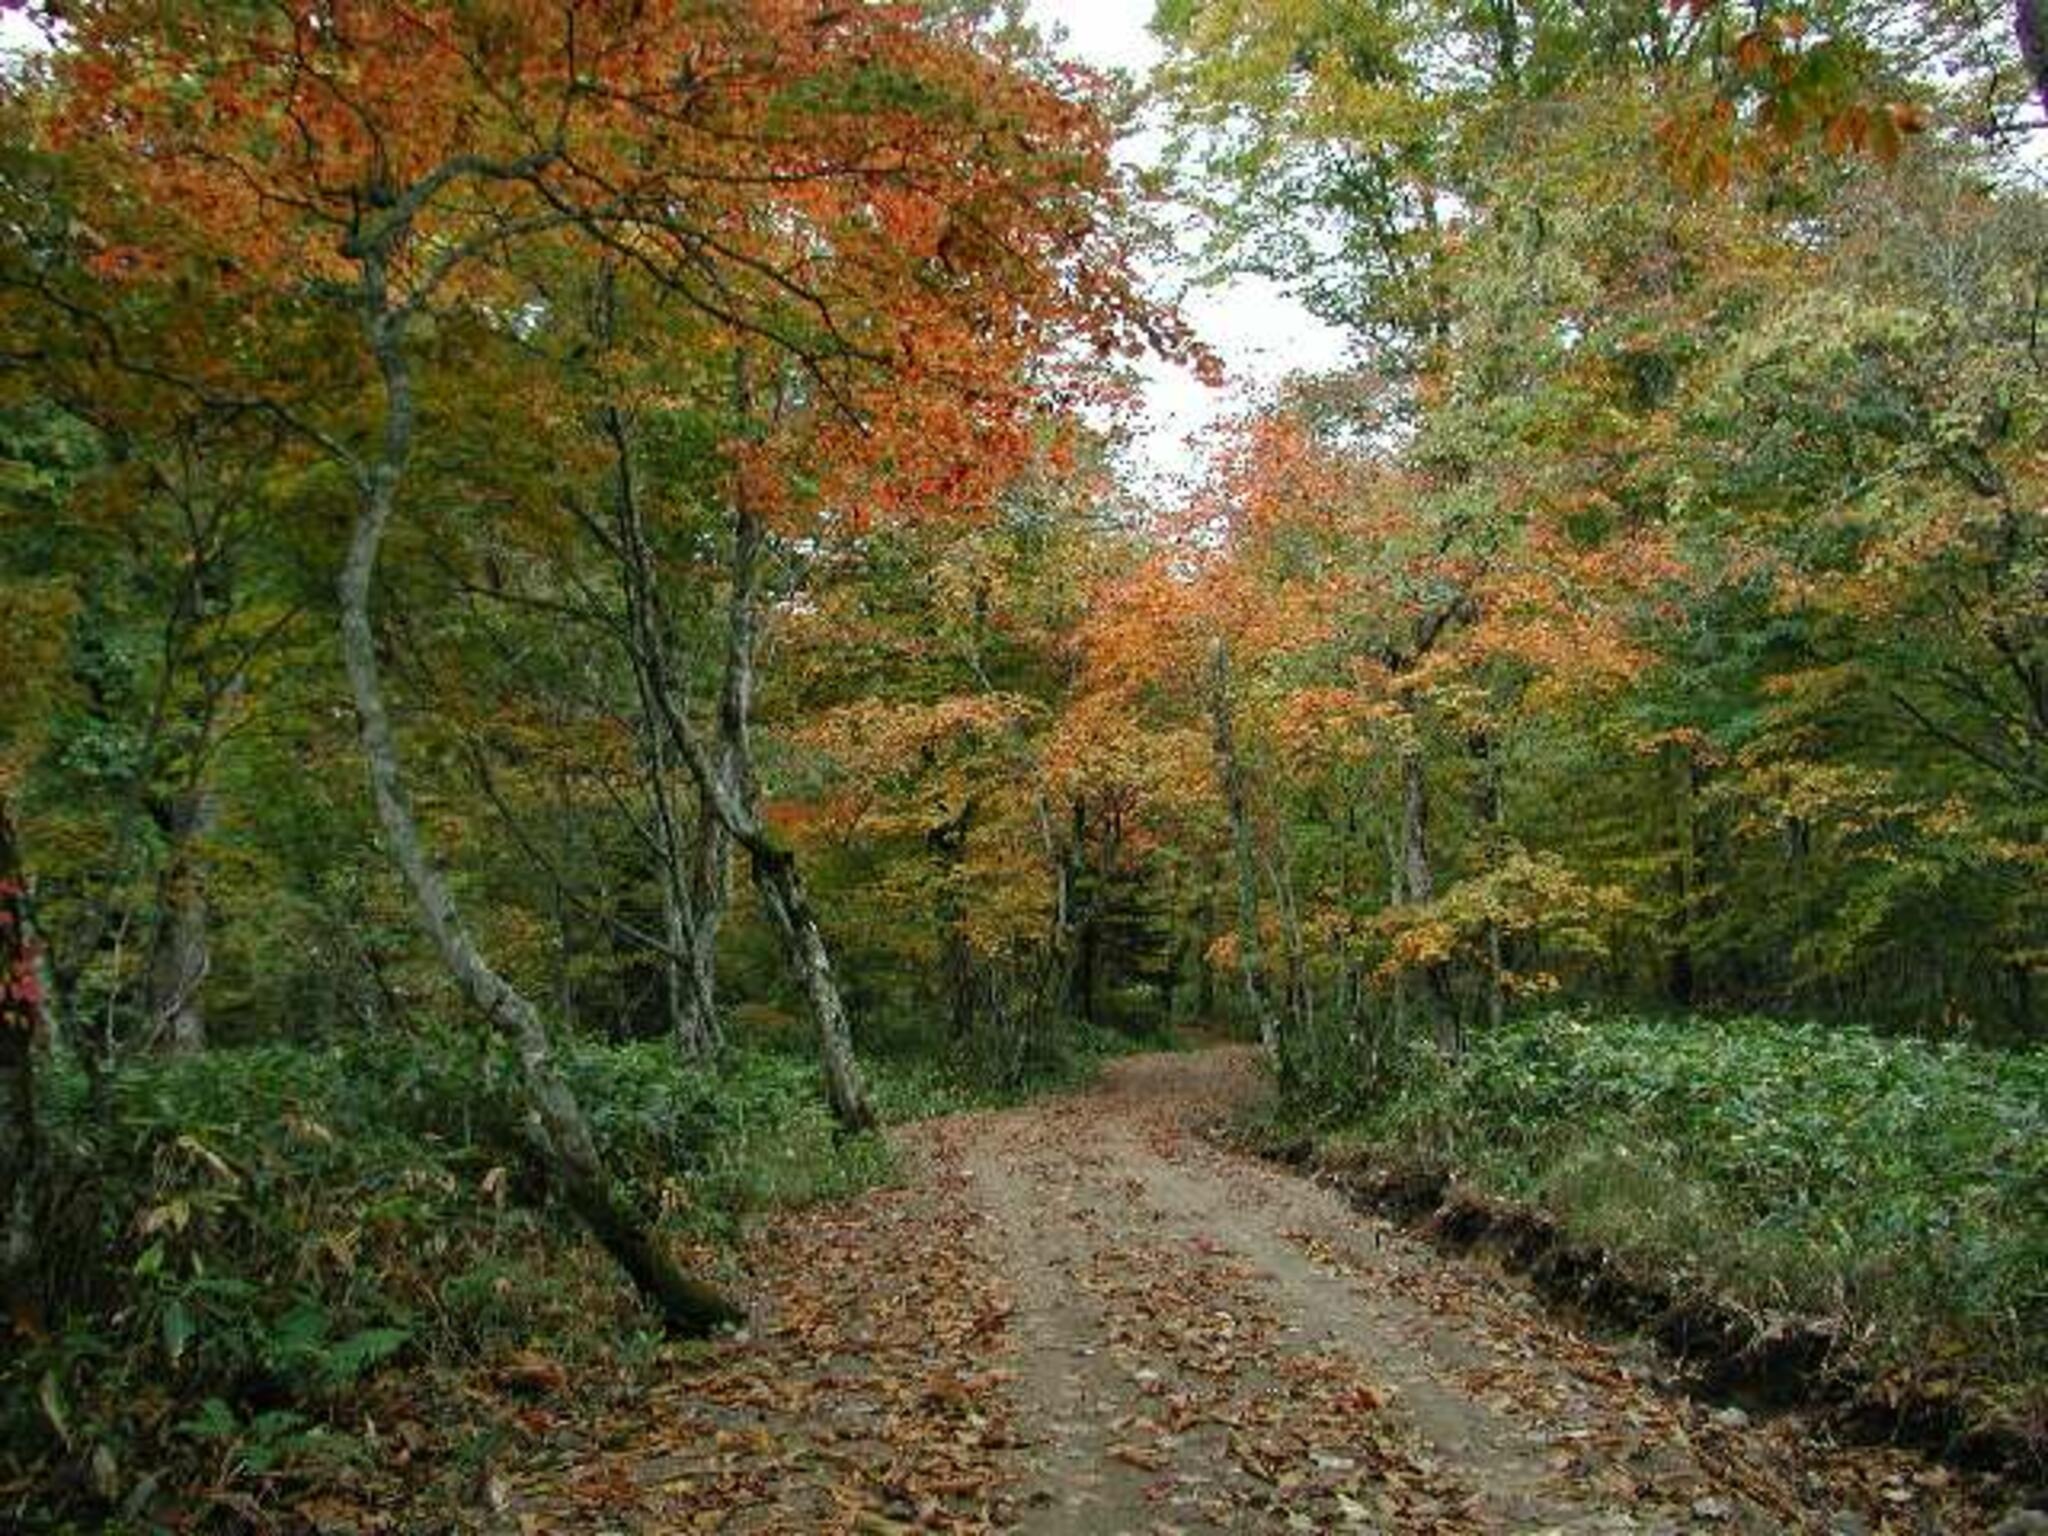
x: 1083, y: 1316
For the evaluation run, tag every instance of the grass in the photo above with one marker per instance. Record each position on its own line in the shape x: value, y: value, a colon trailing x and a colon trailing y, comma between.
x: 1897, y: 1186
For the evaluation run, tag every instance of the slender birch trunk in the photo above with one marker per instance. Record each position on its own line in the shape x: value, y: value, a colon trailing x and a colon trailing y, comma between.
x: 780, y: 883
x: 727, y: 781
x: 786, y: 901
x: 563, y: 1132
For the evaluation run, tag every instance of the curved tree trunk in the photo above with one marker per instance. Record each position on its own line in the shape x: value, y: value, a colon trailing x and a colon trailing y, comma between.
x: 729, y: 814
x: 784, y: 896
x: 686, y: 1305
x: 786, y: 902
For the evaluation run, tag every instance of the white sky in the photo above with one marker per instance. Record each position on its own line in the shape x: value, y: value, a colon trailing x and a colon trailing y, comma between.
x: 1259, y: 332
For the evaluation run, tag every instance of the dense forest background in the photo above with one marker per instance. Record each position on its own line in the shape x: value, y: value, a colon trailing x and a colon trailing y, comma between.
x: 564, y: 565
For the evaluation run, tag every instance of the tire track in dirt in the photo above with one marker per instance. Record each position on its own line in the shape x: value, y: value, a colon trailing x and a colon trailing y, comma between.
x: 1249, y: 1382
x: 1206, y: 1342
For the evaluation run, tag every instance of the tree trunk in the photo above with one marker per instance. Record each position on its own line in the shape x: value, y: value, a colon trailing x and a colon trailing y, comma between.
x: 21, y: 1017
x: 1299, y: 1014
x: 786, y: 903
x: 1419, y: 882
x: 1078, y: 900
x: 781, y: 884
x: 1487, y: 810
x: 1496, y: 989
x: 1398, y: 1011
x: 564, y: 1136
x: 689, y: 928
x: 180, y: 955
x: 2030, y: 26
x: 1205, y: 974
x: 1230, y: 775
x: 1679, y: 971
x: 710, y: 883
x: 1418, y: 879
x: 789, y: 909
x: 948, y: 844
x: 692, y: 888
x: 689, y: 977
x: 730, y: 791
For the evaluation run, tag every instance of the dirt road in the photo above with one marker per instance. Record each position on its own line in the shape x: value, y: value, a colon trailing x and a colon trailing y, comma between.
x: 1083, y: 1316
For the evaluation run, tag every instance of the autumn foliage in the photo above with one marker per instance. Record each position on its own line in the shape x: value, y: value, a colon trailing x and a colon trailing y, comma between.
x: 571, y: 571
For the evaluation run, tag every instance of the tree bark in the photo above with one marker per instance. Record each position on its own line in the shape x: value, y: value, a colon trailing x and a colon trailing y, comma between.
x: 690, y: 968
x: 1079, y: 900
x: 730, y: 790
x: 21, y: 1017
x: 786, y: 902
x: 693, y: 888
x: 2030, y: 26
x: 710, y: 885
x: 947, y: 842
x: 1397, y: 1006
x: 788, y: 905
x: 1299, y: 1015
x: 1487, y: 809
x: 1419, y: 881
x: 1679, y: 979
x: 180, y: 954
x: 781, y: 885
x: 564, y: 1136
x: 1230, y: 776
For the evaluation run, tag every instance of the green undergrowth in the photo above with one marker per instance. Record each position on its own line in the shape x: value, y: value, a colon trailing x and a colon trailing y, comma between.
x: 251, y: 1251
x: 1896, y: 1187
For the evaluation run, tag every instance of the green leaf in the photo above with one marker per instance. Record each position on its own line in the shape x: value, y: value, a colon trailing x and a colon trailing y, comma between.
x: 50, y: 1396
x: 179, y: 1327
x: 214, y: 1421
x: 360, y: 1352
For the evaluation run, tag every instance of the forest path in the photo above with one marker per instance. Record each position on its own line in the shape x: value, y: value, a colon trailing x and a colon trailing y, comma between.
x: 1084, y: 1316
x: 1205, y: 1341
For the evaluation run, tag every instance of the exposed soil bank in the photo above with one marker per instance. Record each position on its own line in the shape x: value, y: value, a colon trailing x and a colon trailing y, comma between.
x: 1729, y: 1355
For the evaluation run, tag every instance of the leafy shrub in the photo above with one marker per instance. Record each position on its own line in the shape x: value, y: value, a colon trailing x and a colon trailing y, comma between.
x: 1899, y: 1184
x: 241, y: 1241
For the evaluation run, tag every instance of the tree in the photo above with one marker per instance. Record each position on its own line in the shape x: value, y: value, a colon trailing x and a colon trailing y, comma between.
x: 907, y: 223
